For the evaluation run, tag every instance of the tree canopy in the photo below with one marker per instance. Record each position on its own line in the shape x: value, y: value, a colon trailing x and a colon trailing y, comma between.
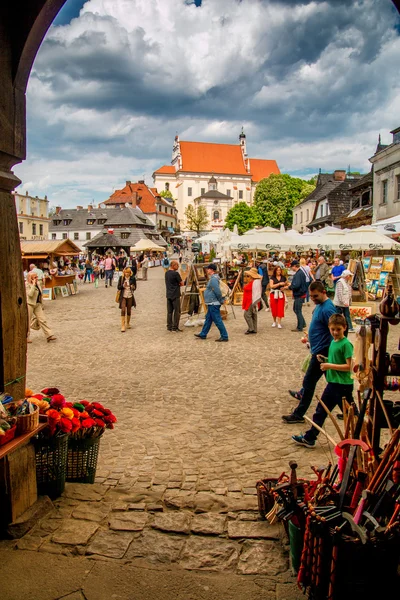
x: 166, y: 194
x: 276, y: 196
x: 196, y: 218
x: 242, y: 215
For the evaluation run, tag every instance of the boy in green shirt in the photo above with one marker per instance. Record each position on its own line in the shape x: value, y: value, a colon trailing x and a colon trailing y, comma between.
x: 340, y: 383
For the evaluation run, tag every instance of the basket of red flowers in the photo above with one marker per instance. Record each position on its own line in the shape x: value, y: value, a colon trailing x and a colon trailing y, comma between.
x: 67, y: 450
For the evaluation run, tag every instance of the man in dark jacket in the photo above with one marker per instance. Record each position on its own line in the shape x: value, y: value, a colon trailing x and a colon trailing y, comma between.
x: 263, y: 271
x: 299, y: 289
x: 173, y: 284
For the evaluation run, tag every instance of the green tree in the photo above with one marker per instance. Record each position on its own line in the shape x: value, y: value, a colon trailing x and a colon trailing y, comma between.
x: 196, y: 218
x: 166, y: 194
x: 275, y: 198
x: 241, y: 215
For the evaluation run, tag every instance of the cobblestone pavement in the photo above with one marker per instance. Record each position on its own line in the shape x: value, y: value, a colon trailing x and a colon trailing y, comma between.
x: 198, y: 425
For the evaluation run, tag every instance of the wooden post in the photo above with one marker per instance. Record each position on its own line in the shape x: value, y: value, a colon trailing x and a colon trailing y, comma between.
x: 14, y: 316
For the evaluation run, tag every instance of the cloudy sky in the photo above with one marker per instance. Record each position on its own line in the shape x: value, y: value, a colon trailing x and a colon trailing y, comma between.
x: 312, y: 82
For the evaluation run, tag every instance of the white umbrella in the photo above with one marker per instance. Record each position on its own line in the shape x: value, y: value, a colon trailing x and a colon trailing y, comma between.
x: 146, y: 245
x: 269, y: 241
x: 261, y: 230
x: 362, y: 238
x: 326, y: 229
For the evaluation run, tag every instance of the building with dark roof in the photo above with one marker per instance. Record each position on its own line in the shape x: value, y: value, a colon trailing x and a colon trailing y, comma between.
x: 361, y: 204
x: 386, y: 168
x: 81, y: 225
x: 216, y: 204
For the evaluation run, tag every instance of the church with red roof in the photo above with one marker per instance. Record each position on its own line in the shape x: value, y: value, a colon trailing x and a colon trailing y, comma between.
x: 192, y: 166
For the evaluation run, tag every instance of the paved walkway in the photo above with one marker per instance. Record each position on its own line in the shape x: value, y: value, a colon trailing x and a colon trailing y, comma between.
x: 198, y: 425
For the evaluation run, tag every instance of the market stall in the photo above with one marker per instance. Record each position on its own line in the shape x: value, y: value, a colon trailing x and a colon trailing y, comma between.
x: 45, y: 254
x: 149, y: 246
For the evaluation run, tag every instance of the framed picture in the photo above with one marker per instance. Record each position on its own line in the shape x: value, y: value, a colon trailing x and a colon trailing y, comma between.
x: 200, y: 272
x: 185, y: 301
x: 47, y: 294
x: 388, y: 263
x: 360, y: 312
x: 57, y: 291
x: 76, y: 287
x: 72, y: 289
x: 383, y: 279
x: 64, y: 291
x: 379, y: 293
x: 366, y: 262
x: 68, y: 286
x: 375, y: 267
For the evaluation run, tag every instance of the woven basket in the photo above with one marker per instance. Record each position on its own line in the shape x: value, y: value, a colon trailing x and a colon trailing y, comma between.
x: 51, y: 465
x: 82, y: 459
x: 27, y: 423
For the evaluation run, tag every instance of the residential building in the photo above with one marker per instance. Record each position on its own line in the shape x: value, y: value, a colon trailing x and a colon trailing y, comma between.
x: 194, y: 163
x: 304, y: 212
x: 83, y: 225
x: 33, y: 216
x: 386, y: 168
x: 361, y: 204
x: 160, y: 210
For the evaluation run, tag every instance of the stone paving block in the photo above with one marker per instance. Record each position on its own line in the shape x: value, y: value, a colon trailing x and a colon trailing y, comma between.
x: 30, y: 542
x: 249, y: 529
x: 210, y: 554
x: 128, y: 521
x: 261, y: 557
x: 288, y: 591
x: 74, y: 532
x: 112, y: 544
x: 82, y: 491
x: 155, y: 508
x: 136, y: 506
x: 91, y: 513
x: 208, y: 524
x: 175, y: 522
x: 156, y: 547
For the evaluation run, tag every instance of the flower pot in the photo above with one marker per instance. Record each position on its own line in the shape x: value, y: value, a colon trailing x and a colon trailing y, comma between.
x: 82, y: 459
x: 51, y: 465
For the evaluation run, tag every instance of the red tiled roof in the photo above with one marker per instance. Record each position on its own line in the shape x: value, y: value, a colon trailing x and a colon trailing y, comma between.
x: 166, y: 169
x: 127, y: 194
x: 261, y: 168
x: 203, y: 157
x: 136, y: 194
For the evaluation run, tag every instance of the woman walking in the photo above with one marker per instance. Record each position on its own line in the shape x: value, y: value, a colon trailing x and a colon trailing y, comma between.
x: 309, y: 277
x: 35, y: 308
x: 251, y: 297
x: 277, y: 298
x: 126, y: 288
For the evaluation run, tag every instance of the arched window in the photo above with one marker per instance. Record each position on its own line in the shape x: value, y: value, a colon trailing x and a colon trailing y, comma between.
x: 216, y: 215
x: 167, y: 187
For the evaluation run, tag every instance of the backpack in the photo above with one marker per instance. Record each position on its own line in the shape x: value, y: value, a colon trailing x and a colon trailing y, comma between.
x: 166, y: 262
x: 224, y: 289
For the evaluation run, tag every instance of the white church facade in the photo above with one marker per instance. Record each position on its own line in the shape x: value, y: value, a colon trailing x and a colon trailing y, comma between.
x: 194, y: 164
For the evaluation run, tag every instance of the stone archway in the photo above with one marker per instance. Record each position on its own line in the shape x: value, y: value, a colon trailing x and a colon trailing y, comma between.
x: 23, y: 26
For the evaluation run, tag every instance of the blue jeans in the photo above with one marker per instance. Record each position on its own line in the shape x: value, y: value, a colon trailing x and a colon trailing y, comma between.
x: 214, y: 316
x: 310, y: 380
x: 297, y: 309
x: 331, y: 397
x: 88, y: 275
x: 109, y: 276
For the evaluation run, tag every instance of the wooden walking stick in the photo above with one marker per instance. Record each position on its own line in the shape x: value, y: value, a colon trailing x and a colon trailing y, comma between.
x: 384, y: 411
x: 332, y: 418
x: 332, y: 441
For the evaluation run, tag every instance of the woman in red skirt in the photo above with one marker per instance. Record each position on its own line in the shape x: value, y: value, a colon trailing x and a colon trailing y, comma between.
x: 278, y: 283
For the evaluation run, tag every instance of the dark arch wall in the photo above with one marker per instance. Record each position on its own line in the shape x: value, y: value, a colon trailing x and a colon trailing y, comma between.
x: 23, y: 26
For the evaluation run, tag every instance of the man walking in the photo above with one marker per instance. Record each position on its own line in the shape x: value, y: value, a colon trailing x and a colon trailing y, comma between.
x: 319, y: 338
x: 173, y: 283
x: 263, y: 271
x: 337, y: 270
x: 299, y: 289
x: 322, y: 271
x: 213, y: 299
x: 121, y: 261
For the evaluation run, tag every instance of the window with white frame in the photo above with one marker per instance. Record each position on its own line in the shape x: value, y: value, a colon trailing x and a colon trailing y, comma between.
x: 65, y: 236
x: 308, y: 215
x: 216, y: 215
x: 53, y: 236
x: 228, y: 192
x: 202, y: 191
x: 189, y: 191
x: 33, y: 228
x: 240, y: 194
x: 21, y: 227
x: 295, y: 219
x: 397, y: 196
x: 40, y: 229
x: 76, y: 236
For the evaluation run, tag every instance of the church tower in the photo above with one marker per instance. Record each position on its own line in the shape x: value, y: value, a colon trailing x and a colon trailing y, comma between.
x: 242, y: 142
x: 176, y: 160
x: 212, y: 184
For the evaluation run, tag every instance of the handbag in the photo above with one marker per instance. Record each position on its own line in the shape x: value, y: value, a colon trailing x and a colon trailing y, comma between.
x: 117, y: 297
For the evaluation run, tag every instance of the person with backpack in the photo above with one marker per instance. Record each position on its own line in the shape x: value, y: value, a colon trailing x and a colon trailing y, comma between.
x: 299, y: 289
x: 251, y: 297
x: 165, y: 263
x: 263, y: 271
x: 213, y: 298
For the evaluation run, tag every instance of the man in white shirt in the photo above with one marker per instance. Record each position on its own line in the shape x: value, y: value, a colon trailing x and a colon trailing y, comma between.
x: 145, y: 266
x: 34, y: 269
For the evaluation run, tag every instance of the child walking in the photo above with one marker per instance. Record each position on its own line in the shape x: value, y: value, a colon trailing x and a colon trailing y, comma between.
x: 96, y: 275
x: 338, y: 376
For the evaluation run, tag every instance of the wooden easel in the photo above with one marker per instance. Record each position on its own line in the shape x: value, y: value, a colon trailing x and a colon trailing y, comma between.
x: 199, y: 286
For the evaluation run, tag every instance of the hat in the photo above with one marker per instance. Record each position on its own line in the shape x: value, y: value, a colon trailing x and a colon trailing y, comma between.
x: 294, y: 263
x: 253, y: 273
x: 346, y: 273
x: 212, y: 266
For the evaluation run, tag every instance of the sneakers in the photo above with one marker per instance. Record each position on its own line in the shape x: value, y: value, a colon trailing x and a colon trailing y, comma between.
x: 352, y: 330
x: 201, y: 337
x: 302, y: 441
x: 292, y: 419
x: 273, y: 324
x: 295, y: 395
x: 267, y: 309
x: 279, y: 326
